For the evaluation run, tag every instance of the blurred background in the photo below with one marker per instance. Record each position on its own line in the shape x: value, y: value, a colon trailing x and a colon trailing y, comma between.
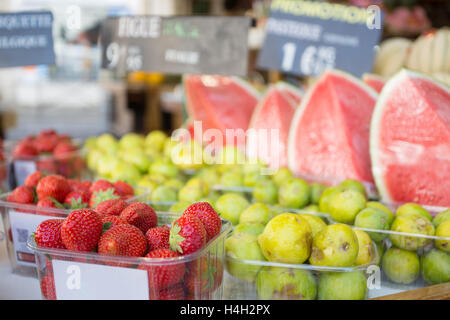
x: 76, y: 97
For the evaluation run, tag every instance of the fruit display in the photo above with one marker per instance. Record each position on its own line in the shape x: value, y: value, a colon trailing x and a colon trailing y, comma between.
x: 409, y: 146
x: 43, y: 196
x: 329, y: 135
x: 48, y: 152
x: 182, y: 260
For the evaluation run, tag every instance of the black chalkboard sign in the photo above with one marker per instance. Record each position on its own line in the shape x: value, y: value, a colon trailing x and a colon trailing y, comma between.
x: 306, y: 37
x: 175, y: 45
x: 26, y: 39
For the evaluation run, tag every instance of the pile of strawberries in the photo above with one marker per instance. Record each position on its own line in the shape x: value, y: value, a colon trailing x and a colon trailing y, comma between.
x: 115, y: 228
x: 59, y: 149
x: 55, y: 191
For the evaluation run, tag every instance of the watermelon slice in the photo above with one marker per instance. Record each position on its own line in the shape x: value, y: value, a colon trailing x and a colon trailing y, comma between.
x: 274, y: 112
x: 374, y: 81
x: 219, y: 102
x: 410, y: 140
x: 293, y: 92
x: 329, y: 136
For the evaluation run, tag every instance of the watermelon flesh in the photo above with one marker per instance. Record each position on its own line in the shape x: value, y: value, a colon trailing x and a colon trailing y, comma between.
x: 410, y: 141
x: 219, y: 102
x: 374, y: 81
x: 329, y: 135
x: 274, y: 112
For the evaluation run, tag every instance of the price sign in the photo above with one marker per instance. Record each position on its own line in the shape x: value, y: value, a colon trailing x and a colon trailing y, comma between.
x: 306, y: 37
x: 209, y: 45
x: 26, y: 39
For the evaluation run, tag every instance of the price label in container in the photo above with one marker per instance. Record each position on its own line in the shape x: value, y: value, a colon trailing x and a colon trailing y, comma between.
x: 88, y: 281
x: 26, y: 39
x: 209, y: 45
x: 306, y: 37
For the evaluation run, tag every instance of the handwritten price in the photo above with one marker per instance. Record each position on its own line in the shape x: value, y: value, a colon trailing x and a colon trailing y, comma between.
x: 131, y: 55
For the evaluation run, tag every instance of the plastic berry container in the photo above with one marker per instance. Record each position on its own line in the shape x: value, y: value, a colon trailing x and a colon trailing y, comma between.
x: 19, y: 223
x: 69, y: 275
x: 70, y: 165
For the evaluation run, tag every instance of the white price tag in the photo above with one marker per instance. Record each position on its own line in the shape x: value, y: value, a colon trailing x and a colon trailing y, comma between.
x: 86, y: 281
x: 22, y: 169
x: 22, y: 226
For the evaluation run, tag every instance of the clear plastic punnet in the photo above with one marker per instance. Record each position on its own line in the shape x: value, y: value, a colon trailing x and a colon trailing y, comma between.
x: 70, y: 275
x: 70, y: 165
x: 20, y: 222
x: 264, y: 280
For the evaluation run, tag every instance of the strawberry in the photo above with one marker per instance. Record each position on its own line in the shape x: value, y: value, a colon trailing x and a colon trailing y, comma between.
x: 123, y: 188
x: 162, y: 275
x: 175, y: 292
x: 22, y: 195
x: 48, y: 234
x: 187, y: 235
x: 32, y: 180
x: 140, y: 215
x: 203, y: 277
x: 77, y: 199
x: 48, y: 287
x: 46, y: 143
x: 76, y: 185
x: 123, y: 240
x: 54, y: 186
x: 63, y: 148
x: 102, y: 185
x: 158, y: 238
x: 81, y: 230
x: 49, y: 203
x: 111, y: 207
x: 209, y: 217
x: 47, y: 165
x: 24, y: 149
x: 110, y: 221
x: 100, y: 196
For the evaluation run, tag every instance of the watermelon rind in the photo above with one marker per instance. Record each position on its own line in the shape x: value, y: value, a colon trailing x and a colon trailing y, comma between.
x: 282, y: 85
x: 392, y: 84
x: 301, y: 108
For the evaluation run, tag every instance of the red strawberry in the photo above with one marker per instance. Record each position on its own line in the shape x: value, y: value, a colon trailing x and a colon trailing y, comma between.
x: 123, y: 240
x: 46, y: 143
x: 63, y: 148
x: 158, y: 238
x: 48, y: 287
x: 49, y: 203
x: 203, y: 277
x: 77, y: 199
x: 24, y: 149
x: 54, y: 186
x: 187, y: 234
x: 32, y: 180
x: 209, y: 217
x: 111, y: 221
x: 102, y: 185
x: 22, y: 195
x: 47, y: 133
x: 162, y: 275
x: 76, y: 185
x: 111, y: 207
x: 48, y: 234
x: 140, y: 215
x: 175, y: 292
x: 101, y: 196
x: 81, y: 230
x: 123, y: 188
x: 47, y: 166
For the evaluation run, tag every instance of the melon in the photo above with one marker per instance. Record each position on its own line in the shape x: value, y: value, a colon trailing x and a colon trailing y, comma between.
x: 374, y: 81
x: 274, y: 112
x: 391, y: 56
x: 291, y: 91
x: 219, y: 102
x: 329, y: 135
x: 410, y: 140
